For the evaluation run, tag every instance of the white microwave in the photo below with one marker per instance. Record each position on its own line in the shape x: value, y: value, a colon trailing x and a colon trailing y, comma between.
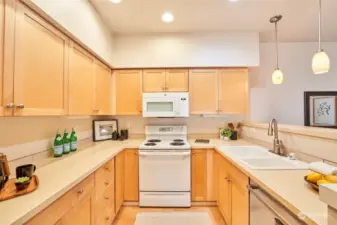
x: 164, y: 104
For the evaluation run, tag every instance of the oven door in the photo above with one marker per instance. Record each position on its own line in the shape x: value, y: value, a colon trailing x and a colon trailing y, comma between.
x: 160, y: 106
x: 164, y: 171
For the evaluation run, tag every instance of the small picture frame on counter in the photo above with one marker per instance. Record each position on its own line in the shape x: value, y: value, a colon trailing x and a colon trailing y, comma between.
x: 104, y: 129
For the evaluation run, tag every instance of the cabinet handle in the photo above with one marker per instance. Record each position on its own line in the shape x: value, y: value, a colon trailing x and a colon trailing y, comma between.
x: 106, y: 183
x: 107, y: 218
x: 106, y: 198
x: 96, y: 110
x: 80, y: 191
x: 10, y: 106
x: 20, y: 106
x: 106, y: 168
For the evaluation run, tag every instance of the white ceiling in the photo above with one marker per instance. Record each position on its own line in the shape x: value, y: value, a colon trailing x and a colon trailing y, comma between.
x: 300, y: 17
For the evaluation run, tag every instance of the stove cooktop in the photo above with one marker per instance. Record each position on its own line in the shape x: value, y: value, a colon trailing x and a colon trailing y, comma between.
x: 165, y: 144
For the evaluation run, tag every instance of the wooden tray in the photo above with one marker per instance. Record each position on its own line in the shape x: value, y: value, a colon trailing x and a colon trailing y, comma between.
x: 313, y: 185
x: 9, y: 191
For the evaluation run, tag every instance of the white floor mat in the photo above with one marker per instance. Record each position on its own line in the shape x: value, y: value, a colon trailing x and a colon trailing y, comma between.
x: 173, y: 218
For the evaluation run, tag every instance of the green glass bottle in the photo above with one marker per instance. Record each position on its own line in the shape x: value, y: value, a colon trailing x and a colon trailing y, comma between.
x: 73, y: 141
x: 58, y: 145
x: 66, y: 142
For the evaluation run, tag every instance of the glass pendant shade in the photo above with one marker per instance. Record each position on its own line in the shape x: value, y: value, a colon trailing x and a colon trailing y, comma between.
x: 320, y: 63
x: 277, y: 76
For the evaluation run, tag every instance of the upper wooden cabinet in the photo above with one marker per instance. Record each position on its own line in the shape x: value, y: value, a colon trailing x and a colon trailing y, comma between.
x: 103, y: 90
x: 81, y: 82
x: 233, y: 91
x: 2, y: 32
x: 154, y: 81
x: 169, y: 80
x: 40, y: 72
x: 128, y: 92
x: 203, y: 91
x: 177, y: 80
x: 222, y: 91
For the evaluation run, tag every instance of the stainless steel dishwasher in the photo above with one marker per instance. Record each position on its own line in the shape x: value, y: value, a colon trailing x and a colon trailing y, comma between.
x: 265, y: 210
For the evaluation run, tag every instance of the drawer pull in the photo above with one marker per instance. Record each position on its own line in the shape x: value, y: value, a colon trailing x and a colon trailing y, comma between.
x: 107, y: 198
x: 107, y: 218
x: 80, y: 191
x: 106, y: 183
x: 106, y: 168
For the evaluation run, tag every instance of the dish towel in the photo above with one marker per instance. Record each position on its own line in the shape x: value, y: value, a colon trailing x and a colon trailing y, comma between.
x: 323, y: 168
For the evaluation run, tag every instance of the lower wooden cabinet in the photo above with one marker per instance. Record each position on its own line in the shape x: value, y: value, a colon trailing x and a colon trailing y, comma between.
x: 119, y: 181
x: 203, y: 176
x: 233, y: 194
x: 131, y: 180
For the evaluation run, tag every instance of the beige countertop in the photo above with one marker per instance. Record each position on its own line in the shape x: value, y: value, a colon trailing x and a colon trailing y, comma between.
x: 59, y: 177
x: 328, y: 194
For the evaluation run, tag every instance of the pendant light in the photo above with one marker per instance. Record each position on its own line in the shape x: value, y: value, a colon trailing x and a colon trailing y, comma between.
x: 277, y: 76
x: 320, y: 61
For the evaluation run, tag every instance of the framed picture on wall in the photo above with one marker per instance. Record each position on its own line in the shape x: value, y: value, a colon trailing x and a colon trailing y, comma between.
x: 320, y: 109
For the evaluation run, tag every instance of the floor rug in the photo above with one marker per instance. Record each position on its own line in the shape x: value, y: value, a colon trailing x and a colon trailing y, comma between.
x: 173, y: 218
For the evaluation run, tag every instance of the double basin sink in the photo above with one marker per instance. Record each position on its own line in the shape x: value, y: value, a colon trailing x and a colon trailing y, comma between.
x: 260, y: 158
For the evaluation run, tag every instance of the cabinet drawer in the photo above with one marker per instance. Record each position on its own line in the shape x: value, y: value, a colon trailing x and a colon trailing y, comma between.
x: 61, y: 206
x: 106, y: 217
x: 104, y: 177
x: 104, y: 208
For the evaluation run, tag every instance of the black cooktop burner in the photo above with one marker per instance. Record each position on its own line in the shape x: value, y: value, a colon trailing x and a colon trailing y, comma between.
x: 177, y: 143
x: 154, y: 140
x: 178, y: 140
x: 150, y: 144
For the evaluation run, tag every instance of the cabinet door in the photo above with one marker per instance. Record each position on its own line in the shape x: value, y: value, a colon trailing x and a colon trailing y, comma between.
x: 79, y: 214
x: 177, y: 80
x: 103, y: 90
x: 119, y: 183
x: 128, y: 92
x: 233, y: 91
x: 40, y: 66
x: 199, y: 175
x: 81, y: 88
x: 224, y: 190
x: 240, y: 204
x: 131, y: 171
x: 203, y: 91
x: 2, y: 32
x: 154, y: 81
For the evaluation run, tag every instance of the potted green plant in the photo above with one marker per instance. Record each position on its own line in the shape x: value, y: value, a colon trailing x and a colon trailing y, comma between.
x: 226, y: 133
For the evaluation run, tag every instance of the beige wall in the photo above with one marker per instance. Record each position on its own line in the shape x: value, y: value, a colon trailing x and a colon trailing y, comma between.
x: 19, y: 130
x: 307, y: 146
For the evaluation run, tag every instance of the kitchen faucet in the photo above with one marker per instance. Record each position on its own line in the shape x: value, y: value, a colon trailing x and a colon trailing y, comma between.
x: 273, y: 130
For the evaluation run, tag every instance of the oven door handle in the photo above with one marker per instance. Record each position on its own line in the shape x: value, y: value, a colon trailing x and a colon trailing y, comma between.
x: 185, y: 154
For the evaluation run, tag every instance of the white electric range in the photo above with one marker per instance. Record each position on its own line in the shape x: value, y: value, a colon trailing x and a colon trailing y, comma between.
x: 165, y: 167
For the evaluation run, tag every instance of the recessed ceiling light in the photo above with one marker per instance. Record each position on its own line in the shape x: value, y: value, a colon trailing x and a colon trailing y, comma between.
x: 116, y: 1
x: 167, y: 17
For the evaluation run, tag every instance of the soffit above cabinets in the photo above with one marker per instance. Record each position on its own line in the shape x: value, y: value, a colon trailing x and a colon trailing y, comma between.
x: 299, y: 23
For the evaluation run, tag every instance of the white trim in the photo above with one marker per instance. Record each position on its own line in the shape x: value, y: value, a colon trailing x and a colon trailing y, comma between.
x: 31, y: 148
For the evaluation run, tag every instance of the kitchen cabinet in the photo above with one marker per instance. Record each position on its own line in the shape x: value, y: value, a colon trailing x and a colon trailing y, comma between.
x: 203, y: 176
x: 104, y: 205
x: 128, y: 92
x: 119, y: 181
x: 81, y: 79
x: 2, y: 33
x: 232, y: 192
x: 169, y: 80
x: 203, y: 86
x: 218, y: 91
x: 70, y: 207
x: 38, y: 72
x: 154, y: 81
x: 80, y: 214
x: 103, y: 90
x: 233, y: 91
x: 131, y: 176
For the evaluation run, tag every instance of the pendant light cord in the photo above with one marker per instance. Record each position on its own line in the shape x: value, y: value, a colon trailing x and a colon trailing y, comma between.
x: 276, y: 44
x: 319, y: 25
